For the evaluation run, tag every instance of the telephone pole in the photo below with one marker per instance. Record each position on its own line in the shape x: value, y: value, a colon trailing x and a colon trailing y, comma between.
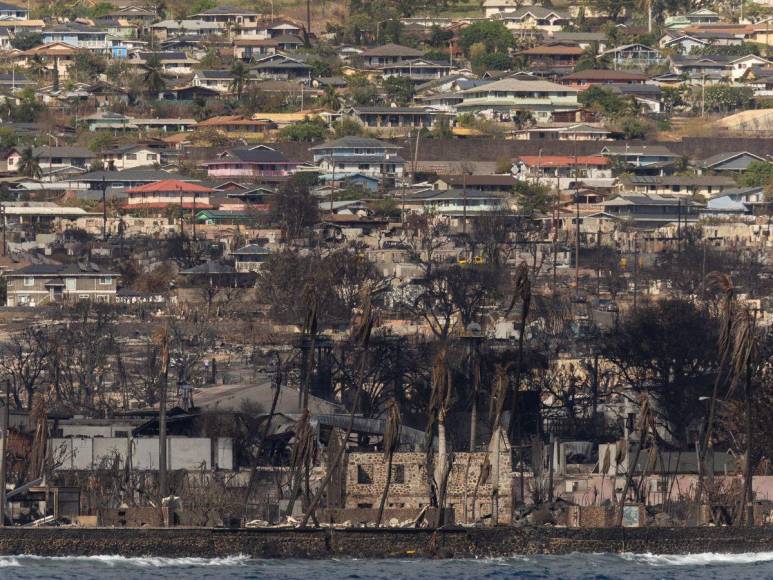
x: 3, y: 451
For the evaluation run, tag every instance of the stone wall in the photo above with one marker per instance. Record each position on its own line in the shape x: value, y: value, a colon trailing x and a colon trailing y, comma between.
x: 366, y: 475
x: 384, y: 543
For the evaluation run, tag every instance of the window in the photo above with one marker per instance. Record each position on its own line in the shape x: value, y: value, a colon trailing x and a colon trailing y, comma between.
x: 70, y: 283
x: 83, y: 297
x: 399, y: 474
x: 151, y: 156
x: 105, y: 280
x: 131, y: 157
x: 121, y: 434
x: 364, y: 474
x: 29, y: 281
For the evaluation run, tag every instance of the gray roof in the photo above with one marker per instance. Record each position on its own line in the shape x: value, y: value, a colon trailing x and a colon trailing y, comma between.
x: 251, y: 250
x: 357, y: 142
x: 46, y: 152
x: 211, y: 267
x: 147, y: 175
x: 452, y: 194
x: 214, y: 74
x: 723, y: 157
x: 391, y: 49
x: 225, y: 11
x: 50, y: 270
x: 679, y: 180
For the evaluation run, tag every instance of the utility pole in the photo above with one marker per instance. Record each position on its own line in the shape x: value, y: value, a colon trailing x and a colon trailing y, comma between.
x: 464, y: 201
x: 703, y: 95
x: 104, y: 210
x: 635, y: 270
x: 308, y: 17
x: 3, y: 451
x: 162, y: 483
x: 5, y: 244
x: 180, y: 191
x: 577, y: 223
x: 555, y: 233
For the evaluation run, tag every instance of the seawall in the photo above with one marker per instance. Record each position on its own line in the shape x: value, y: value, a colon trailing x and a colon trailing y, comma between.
x: 369, y: 543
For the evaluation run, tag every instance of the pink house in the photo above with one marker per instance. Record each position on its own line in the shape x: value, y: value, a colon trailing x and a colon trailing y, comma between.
x: 260, y: 161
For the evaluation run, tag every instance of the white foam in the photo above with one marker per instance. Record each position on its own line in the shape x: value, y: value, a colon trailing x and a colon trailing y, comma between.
x: 9, y: 562
x: 703, y: 559
x: 145, y: 562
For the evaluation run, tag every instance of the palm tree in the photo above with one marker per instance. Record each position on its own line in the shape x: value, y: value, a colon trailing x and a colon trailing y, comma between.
x: 153, y: 78
x: 29, y: 164
x: 240, y: 76
x: 37, y: 67
x: 724, y: 284
x: 330, y: 99
x: 392, y: 426
x: 440, y: 402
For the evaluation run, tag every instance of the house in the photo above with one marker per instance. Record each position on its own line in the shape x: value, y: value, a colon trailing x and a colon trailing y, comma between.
x: 740, y: 201
x: 640, y: 155
x: 13, y: 12
x: 219, y: 80
x: 455, y: 203
x: 57, y: 57
x: 80, y: 36
x: 555, y: 55
x: 533, y: 18
x: 232, y: 19
x: 488, y: 183
x: 215, y: 217
x: 280, y: 27
x: 130, y: 156
x: 51, y: 158
x: 584, y: 79
x: 636, y: 55
x: 168, y: 192
x: 351, y: 155
x: 682, y: 43
x: 250, y: 258
x: 136, y: 14
x: 246, y: 48
x: 494, y: 7
x: 584, y: 40
x: 701, y: 16
x: 395, y: 117
x: 237, y: 125
x: 166, y: 125
x: 191, y: 28
x: 652, y: 211
x: 543, y: 98
x: 418, y: 70
x: 565, y: 132
x: 674, y: 185
x: 648, y: 96
x: 40, y: 284
x: 190, y: 93
x: 389, y: 54
x: 736, y: 161
x: 258, y: 162
x: 740, y: 65
x: 701, y: 67
x: 108, y: 121
x: 552, y: 167
x: 172, y: 62
x: 279, y: 66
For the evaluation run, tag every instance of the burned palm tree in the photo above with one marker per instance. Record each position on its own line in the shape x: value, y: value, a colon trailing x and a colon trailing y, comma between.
x: 501, y: 387
x: 361, y: 338
x: 276, y: 386
x: 308, y: 339
x: 440, y: 402
x: 724, y: 284
x: 743, y: 359
x: 392, y: 425
x: 522, y: 292
x: 646, y: 422
x: 301, y: 458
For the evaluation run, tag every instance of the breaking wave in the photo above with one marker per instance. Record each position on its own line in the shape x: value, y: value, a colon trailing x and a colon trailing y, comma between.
x: 703, y: 559
x: 145, y: 562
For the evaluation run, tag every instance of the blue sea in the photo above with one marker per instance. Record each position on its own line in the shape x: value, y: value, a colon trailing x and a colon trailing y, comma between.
x: 624, y: 566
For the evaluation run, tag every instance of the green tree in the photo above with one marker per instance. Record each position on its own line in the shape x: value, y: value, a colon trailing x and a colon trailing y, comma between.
x: 310, y: 129
x: 492, y: 34
x: 29, y: 164
x: 329, y: 98
x: 87, y: 66
x: 532, y: 198
x: 399, y: 89
x: 362, y: 91
x: 758, y: 174
x: 347, y: 127
x: 632, y: 128
x: 240, y: 75
x: 26, y: 40
x: 725, y: 98
x: 153, y: 79
x: 491, y: 61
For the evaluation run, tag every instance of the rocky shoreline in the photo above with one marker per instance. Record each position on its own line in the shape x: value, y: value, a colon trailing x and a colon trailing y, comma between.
x: 371, y: 543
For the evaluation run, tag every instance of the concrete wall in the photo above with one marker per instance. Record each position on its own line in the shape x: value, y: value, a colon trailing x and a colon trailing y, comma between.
x: 190, y: 453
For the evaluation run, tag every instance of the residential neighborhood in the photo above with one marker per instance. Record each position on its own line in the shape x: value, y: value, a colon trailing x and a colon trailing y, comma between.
x: 386, y: 264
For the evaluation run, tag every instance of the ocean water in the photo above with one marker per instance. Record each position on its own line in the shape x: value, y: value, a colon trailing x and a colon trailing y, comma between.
x: 597, y: 566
